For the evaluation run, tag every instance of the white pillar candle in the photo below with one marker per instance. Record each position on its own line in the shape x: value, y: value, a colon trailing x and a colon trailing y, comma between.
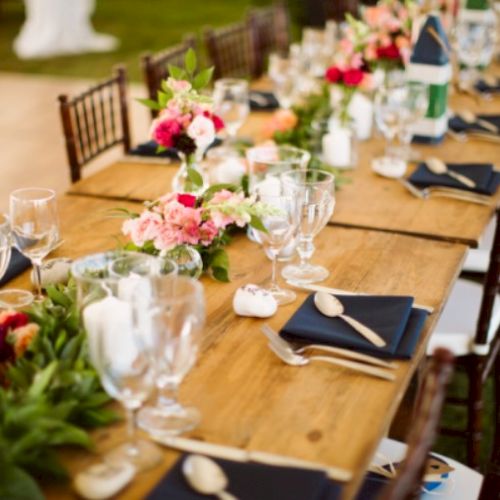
x: 337, y: 148
x: 361, y: 111
x: 109, y: 327
x: 229, y: 171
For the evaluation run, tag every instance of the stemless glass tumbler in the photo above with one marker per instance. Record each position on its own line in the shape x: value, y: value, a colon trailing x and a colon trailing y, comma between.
x: 315, y: 189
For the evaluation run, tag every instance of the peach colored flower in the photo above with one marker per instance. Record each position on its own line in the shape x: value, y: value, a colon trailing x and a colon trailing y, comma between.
x: 23, y: 336
x: 281, y: 121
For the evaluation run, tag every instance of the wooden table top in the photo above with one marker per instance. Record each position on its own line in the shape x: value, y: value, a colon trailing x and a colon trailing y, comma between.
x: 247, y: 397
x: 368, y: 201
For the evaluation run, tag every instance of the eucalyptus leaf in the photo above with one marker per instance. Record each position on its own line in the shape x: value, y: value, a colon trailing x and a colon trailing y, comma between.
x: 150, y: 103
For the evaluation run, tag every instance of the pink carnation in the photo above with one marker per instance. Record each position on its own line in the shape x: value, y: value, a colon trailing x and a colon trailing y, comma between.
x: 163, y: 131
x: 208, y: 231
x: 144, y: 228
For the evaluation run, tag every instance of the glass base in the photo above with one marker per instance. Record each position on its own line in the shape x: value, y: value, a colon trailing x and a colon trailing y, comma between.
x: 282, y: 295
x: 142, y: 454
x: 169, y: 421
x: 305, y: 274
x: 15, y: 299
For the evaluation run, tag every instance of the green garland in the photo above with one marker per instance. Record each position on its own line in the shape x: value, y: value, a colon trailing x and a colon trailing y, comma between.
x: 53, y: 394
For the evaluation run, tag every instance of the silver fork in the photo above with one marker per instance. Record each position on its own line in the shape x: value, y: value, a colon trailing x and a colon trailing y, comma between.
x: 274, y: 338
x: 445, y: 192
x: 290, y: 358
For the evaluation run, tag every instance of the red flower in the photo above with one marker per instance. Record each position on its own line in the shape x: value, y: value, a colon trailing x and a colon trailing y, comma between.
x: 353, y: 77
x: 333, y: 74
x: 9, y: 320
x: 217, y: 120
x: 389, y: 52
x: 188, y: 200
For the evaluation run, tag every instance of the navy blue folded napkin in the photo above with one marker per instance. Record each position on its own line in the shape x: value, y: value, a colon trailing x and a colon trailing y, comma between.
x: 392, y: 317
x: 263, y: 101
x: 482, y: 86
x: 458, y: 125
x: 252, y: 481
x: 486, y: 179
x: 18, y: 263
x: 149, y: 149
x: 372, y: 487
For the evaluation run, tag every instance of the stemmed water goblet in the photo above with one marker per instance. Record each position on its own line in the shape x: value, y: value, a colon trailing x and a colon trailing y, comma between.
x: 316, y: 191
x: 34, y: 225
x: 231, y: 103
x: 119, y: 341
x: 280, y: 229
x: 175, y: 312
x: 284, y: 74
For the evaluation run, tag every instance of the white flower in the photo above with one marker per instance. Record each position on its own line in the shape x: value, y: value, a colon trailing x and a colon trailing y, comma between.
x: 202, y: 131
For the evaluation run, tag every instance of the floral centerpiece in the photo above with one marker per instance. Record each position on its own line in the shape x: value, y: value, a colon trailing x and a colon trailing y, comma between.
x: 185, y: 121
x: 202, y: 222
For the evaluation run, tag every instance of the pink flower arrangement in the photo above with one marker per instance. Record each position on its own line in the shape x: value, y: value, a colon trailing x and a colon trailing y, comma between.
x: 202, y: 222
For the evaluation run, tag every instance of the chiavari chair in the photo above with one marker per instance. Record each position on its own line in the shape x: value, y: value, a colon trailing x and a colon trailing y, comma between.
x: 155, y: 66
x: 95, y: 121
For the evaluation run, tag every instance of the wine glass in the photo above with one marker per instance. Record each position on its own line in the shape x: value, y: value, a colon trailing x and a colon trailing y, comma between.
x: 280, y: 229
x: 475, y: 43
x: 414, y: 109
x: 284, y: 74
x: 231, y: 103
x: 119, y: 341
x: 389, y: 108
x: 176, y: 313
x: 34, y: 225
x: 315, y: 189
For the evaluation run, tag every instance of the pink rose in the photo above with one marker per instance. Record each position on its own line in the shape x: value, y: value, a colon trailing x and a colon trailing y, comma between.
x: 202, y: 131
x: 178, y: 86
x: 186, y: 199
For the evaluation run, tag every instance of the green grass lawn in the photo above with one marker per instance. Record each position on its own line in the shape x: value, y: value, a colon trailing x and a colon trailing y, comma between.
x: 140, y: 25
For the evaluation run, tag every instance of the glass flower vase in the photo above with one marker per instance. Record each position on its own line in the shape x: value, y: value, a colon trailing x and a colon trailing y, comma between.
x: 188, y: 260
x: 190, y: 178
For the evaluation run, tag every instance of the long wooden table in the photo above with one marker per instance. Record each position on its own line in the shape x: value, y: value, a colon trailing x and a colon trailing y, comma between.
x: 250, y: 399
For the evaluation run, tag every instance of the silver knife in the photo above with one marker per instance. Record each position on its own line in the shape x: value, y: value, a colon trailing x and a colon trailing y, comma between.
x: 240, y: 455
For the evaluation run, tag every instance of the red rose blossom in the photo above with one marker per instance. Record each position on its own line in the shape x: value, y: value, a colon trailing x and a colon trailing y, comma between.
x: 389, y: 52
x: 217, y: 120
x: 333, y: 74
x: 353, y: 77
x: 188, y: 200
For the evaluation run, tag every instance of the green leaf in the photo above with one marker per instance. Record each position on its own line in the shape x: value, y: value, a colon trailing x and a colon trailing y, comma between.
x: 163, y: 99
x: 176, y: 72
x: 150, y: 103
x: 42, y: 379
x: 160, y: 149
x: 190, y: 61
x: 202, y: 79
x: 195, y: 177
x: 69, y: 434
x: 219, y: 263
x: 256, y: 223
x: 16, y: 484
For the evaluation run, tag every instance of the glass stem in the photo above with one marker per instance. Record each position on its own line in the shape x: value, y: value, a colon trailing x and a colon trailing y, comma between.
x: 37, y: 267
x: 274, y: 284
x: 132, y: 449
x: 167, y: 394
x: 305, y: 250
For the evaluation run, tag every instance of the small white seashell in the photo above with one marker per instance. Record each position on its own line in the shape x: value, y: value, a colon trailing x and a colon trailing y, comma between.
x: 54, y: 271
x: 103, y: 480
x: 251, y: 300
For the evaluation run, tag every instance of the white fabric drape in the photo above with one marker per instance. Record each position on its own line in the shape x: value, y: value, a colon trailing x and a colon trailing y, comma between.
x: 59, y: 27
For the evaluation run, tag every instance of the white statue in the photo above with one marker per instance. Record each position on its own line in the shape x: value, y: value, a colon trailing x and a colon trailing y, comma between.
x: 60, y: 27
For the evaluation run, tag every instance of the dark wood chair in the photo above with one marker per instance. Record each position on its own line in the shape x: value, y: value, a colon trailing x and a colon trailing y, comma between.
x: 482, y: 355
x: 95, y: 121
x: 155, y: 66
x: 271, y: 26
x: 233, y: 50
x: 338, y: 9
x: 407, y: 484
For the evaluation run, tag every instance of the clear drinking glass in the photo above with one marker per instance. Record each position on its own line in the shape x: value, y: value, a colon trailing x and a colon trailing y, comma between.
x: 34, y: 225
x: 389, y: 109
x: 231, y: 103
x: 284, y: 74
x: 414, y: 109
x: 266, y: 163
x: 176, y: 313
x: 316, y: 191
x: 119, y: 342
x: 475, y: 43
x: 281, y: 229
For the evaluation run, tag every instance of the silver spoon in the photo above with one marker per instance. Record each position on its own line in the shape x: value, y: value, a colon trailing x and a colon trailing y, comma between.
x: 330, y: 306
x: 469, y: 117
x: 206, y: 477
x: 439, y: 167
